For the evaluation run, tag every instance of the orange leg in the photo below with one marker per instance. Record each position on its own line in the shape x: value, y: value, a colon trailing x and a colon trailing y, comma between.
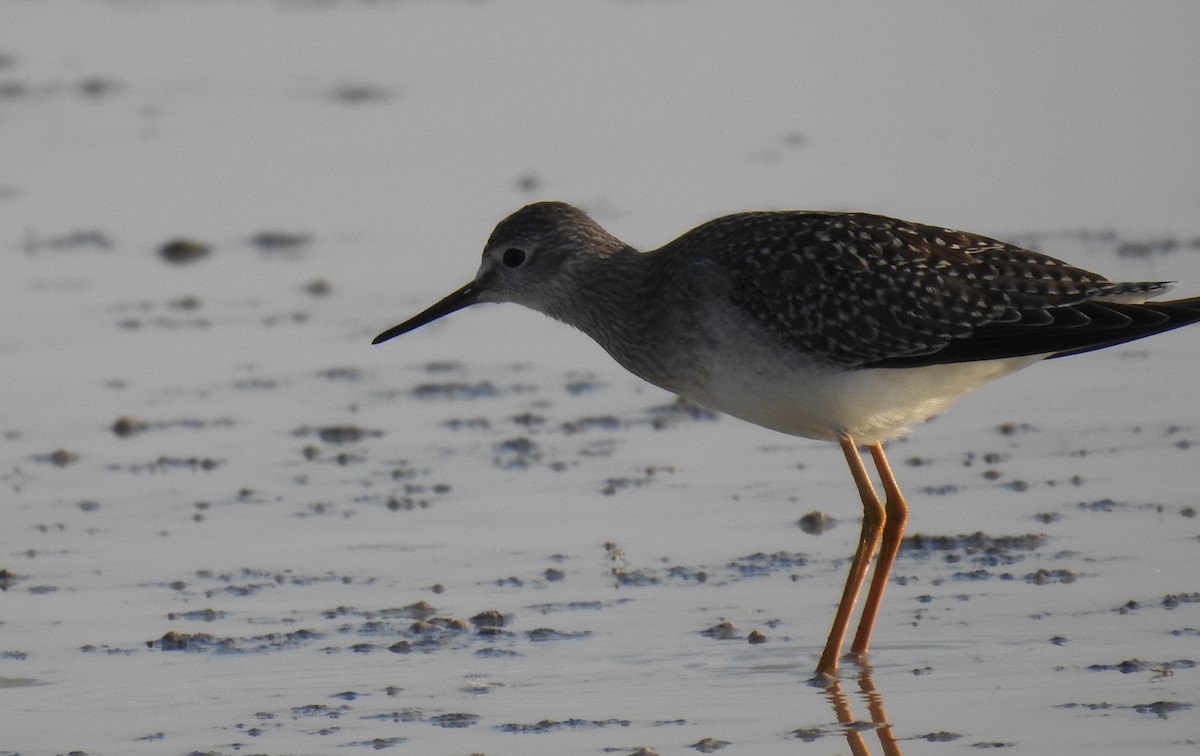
x: 895, y: 515
x: 872, y: 528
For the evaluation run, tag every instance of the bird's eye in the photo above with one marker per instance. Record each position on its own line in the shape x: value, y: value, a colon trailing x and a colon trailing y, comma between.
x: 513, y: 257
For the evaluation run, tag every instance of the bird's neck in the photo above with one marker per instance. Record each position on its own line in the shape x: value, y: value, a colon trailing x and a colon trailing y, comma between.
x: 620, y: 302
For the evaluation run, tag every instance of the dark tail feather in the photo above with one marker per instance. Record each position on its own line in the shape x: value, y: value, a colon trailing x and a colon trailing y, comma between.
x: 1059, y: 332
x: 1145, y: 320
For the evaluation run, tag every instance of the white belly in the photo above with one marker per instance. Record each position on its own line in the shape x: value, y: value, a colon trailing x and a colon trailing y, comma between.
x: 871, y: 405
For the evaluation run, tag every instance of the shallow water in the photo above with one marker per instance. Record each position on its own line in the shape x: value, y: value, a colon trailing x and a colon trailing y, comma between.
x: 232, y: 526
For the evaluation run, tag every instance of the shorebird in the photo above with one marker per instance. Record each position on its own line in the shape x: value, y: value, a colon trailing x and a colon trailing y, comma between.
x: 843, y: 327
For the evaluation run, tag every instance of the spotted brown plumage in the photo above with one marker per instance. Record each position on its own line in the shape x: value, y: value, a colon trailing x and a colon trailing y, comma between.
x: 869, y: 291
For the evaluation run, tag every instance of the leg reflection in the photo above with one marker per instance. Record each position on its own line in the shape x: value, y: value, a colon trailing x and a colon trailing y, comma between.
x: 855, y: 729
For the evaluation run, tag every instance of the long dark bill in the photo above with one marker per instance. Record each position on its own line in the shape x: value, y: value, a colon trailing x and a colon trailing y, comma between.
x: 464, y: 297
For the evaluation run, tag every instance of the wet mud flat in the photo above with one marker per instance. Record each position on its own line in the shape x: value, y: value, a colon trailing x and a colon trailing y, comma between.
x: 231, y: 526
x: 504, y: 556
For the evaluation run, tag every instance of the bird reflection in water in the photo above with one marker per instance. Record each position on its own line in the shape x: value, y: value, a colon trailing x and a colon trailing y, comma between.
x: 856, y: 730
